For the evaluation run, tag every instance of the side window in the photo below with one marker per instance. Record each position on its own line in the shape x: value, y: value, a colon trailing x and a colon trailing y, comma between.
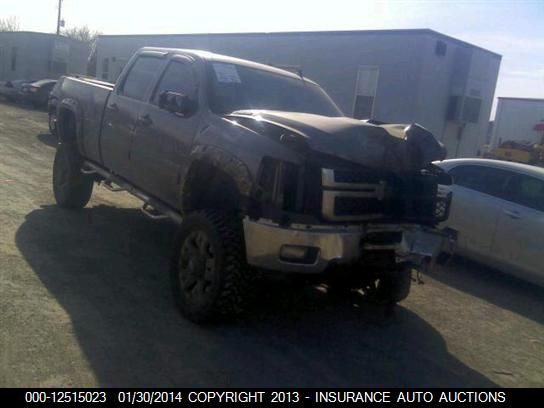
x: 486, y: 180
x: 527, y: 191
x: 139, y: 77
x: 365, y: 92
x: 179, y: 77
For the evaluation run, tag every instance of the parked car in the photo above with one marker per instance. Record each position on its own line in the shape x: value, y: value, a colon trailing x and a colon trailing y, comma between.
x: 498, y: 213
x: 37, y: 93
x: 11, y: 90
x: 260, y: 169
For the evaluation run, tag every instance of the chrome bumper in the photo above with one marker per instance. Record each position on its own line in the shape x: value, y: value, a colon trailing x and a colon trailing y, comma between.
x: 265, y: 242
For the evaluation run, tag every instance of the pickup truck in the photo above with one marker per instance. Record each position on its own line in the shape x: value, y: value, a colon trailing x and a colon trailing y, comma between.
x: 262, y: 172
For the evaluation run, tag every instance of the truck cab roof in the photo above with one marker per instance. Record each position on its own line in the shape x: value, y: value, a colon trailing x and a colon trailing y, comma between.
x: 212, y: 57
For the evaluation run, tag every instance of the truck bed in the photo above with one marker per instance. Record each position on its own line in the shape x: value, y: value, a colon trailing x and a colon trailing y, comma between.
x: 91, y: 97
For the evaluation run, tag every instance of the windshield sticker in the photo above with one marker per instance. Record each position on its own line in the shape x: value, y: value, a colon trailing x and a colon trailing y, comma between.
x: 226, y: 73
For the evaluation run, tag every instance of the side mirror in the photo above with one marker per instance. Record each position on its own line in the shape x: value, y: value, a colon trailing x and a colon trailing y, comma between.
x: 177, y: 103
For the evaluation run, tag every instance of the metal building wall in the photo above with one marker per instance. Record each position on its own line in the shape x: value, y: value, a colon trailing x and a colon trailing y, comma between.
x: 37, y: 53
x: 516, y: 119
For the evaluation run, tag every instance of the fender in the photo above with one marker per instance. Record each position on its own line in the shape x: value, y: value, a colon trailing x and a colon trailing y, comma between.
x: 224, y: 161
x: 71, y: 105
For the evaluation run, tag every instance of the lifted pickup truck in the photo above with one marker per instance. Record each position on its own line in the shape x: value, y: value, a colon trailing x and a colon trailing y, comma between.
x: 261, y: 170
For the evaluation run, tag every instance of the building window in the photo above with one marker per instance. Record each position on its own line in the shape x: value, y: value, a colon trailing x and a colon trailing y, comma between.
x: 13, y: 58
x: 363, y: 107
x: 471, y: 109
x: 365, y: 92
x: 440, y: 48
x: 453, y: 108
x: 105, y: 68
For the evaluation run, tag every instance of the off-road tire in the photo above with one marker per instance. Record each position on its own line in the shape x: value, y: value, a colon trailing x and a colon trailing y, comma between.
x: 71, y: 188
x: 226, y: 293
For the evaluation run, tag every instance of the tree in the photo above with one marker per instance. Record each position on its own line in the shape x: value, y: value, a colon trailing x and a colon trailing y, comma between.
x: 9, y: 24
x: 82, y: 33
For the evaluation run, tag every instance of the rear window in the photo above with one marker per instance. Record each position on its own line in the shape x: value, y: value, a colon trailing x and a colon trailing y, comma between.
x: 140, y: 76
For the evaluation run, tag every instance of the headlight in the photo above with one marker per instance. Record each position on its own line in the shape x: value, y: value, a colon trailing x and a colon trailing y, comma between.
x: 278, y: 182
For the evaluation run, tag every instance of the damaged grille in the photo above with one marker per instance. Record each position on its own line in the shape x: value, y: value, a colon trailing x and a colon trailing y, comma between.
x: 362, y: 195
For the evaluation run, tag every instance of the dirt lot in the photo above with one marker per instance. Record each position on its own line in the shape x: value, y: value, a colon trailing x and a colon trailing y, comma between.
x: 85, y: 301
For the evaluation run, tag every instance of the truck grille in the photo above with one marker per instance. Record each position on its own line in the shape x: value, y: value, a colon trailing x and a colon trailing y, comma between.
x: 362, y: 195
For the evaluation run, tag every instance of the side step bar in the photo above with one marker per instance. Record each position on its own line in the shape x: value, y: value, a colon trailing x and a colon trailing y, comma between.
x: 152, y: 207
x: 108, y: 184
x: 152, y: 212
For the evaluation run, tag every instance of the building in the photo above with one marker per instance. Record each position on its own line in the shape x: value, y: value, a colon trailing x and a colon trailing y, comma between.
x: 29, y: 55
x: 518, y: 119
x: 402, y: 76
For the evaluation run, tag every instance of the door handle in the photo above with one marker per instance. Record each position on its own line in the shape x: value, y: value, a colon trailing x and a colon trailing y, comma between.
x: 113, y: 107
x: 512, y: 214
x: 144, y: 120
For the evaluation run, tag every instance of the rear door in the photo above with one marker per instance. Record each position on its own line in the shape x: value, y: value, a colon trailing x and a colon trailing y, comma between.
x: 163, y: 139
x: 520, y: 229
x: 476, y: 207
x: 122, y: 110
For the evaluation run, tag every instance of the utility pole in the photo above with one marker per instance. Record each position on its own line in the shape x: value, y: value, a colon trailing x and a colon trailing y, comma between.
x: 58, y: 18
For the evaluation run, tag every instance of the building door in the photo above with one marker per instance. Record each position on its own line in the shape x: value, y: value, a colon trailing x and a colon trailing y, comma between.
x: 365, y: 92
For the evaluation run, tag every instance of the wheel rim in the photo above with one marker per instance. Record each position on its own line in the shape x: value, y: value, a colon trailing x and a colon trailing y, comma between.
x: 197, y: 266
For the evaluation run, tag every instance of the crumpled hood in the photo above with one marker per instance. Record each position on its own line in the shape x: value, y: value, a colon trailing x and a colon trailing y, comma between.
x: 383, y: 147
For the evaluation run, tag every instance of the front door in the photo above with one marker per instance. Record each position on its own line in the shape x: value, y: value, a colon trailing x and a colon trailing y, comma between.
x: 162, y: 142
x: 476, y: 205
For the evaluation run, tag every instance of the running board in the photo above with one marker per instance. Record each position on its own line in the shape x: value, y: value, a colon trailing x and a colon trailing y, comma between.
x: 108, y: 185
x: 88, y: 170
x: 152, y: 212
x: 152, y: 207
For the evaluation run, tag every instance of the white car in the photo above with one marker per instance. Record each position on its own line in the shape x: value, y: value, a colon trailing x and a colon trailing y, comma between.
x: 498, y: 213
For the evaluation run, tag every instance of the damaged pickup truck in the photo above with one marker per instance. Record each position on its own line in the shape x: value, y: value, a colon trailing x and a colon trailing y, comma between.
x: 262, y: 172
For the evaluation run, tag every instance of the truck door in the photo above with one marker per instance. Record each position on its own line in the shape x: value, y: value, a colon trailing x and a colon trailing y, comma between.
x: 163, y: 139
x: 122, y: 110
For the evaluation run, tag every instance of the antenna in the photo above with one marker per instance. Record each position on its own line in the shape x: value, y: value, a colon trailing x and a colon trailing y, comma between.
x: 296, y: 68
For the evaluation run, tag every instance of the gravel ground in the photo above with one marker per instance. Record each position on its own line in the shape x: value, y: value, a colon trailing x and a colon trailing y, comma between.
x: 85, y: 301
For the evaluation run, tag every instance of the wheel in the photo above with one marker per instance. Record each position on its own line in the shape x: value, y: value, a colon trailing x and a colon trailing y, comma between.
x: 391, y: 286
x: 72, y: 188
x: 209, y: 274
x: 53, y: 123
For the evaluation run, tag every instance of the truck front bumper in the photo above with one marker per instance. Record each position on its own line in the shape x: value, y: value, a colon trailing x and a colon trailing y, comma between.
x: 311, y: 248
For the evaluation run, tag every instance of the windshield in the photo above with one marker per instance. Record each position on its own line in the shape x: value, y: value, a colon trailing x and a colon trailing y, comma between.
x: 238, y: 87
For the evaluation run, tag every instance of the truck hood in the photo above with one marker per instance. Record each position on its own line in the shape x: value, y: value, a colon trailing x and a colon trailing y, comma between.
x: 396, y: 146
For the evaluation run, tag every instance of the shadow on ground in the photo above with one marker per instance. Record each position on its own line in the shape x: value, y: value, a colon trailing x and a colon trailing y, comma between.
x: 504, y: 291
x: 107, y: 267
x: 48, y: 139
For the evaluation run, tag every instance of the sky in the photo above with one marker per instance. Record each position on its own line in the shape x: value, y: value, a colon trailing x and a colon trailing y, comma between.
x: 513, y: 28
